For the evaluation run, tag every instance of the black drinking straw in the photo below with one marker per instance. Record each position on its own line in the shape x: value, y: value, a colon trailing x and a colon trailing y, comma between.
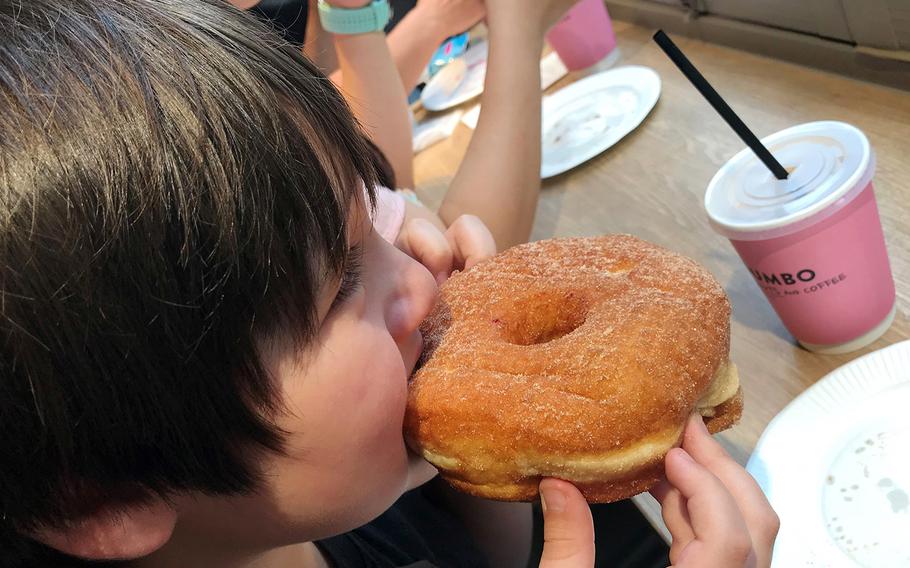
x: 707, y: 91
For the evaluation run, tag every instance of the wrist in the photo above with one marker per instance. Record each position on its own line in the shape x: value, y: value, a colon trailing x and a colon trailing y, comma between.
x: 510, y: 24
x: 523, y: 35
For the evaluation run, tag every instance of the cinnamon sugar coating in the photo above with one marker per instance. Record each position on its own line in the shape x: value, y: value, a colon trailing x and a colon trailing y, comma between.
x: 573, y: 358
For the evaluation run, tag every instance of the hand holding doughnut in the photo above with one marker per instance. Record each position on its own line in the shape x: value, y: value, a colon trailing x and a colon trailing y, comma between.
x: 716, y: 513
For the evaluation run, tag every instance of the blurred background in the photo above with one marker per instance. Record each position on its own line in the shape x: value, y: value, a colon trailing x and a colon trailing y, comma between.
x: 866, y: 39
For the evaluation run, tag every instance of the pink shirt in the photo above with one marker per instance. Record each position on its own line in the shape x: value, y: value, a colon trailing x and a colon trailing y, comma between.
x: 389, y: 214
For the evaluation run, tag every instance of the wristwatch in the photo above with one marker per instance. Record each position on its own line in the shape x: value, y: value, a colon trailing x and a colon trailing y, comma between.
x: 350, y: 21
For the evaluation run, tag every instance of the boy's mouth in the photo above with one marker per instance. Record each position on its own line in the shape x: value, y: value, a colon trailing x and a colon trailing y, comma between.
x: 426, y: 350
x: 419, y: 364
x: 421, y: 358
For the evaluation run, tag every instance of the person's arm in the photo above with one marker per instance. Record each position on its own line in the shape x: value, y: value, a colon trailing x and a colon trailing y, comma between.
x: 417, y: 36
x: 499, y: 178
x: 499, y: 181
x: 375, y: 93
x: 412, y: 42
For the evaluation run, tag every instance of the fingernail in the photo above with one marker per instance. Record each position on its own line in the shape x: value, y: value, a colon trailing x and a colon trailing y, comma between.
x: 685, y: 455
x: 552, y: 499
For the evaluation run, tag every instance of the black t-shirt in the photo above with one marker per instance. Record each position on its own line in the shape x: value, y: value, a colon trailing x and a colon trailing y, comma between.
x: 288, y: 16
x: 417, y: 532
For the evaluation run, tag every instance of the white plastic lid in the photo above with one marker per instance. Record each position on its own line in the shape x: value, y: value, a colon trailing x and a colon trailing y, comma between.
x: 829, y: 163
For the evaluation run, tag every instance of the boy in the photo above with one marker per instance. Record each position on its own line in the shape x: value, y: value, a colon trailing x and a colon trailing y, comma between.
x: 205, y: 343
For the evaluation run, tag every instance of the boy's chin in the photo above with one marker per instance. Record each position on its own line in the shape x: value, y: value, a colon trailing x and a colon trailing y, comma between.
x: 420, y: 470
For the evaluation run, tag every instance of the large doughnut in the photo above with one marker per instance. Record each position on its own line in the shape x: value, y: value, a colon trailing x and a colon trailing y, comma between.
x: 572, y: 358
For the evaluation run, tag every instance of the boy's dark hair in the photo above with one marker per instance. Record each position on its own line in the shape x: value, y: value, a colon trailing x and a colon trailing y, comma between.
x: 174, y: 187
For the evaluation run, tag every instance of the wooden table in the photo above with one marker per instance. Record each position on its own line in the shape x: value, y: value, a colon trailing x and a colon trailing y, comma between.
x: 652, y: 183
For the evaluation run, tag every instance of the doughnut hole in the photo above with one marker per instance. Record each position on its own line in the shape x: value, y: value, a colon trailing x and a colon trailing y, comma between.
x: 541, y: 317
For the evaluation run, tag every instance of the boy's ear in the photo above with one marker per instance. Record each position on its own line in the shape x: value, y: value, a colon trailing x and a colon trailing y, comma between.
x: 113, y: 533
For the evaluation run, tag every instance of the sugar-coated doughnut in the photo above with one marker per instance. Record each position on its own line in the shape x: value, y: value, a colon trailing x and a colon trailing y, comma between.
x: 573, y: 358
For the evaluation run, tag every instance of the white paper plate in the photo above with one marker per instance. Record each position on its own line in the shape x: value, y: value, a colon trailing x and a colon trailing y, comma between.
x: 459, y: 81
x: 587, y: 117
x: 835, y: 464
x: 462, y: 79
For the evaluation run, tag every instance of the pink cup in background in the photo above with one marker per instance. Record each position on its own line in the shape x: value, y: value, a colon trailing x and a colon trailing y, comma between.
x: 813, y: 242
x: 584, y: 35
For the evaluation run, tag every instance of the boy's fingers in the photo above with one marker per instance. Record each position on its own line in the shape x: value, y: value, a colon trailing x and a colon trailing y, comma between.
x: 427, y: 245
x: 659, y: 491
x: 760, y: 518
x: 715, y: 517
x: 568, y: 528
x: 471, y: 241
x: 676, y: 516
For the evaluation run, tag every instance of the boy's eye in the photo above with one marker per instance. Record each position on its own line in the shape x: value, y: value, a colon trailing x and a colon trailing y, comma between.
x: 350, y: 278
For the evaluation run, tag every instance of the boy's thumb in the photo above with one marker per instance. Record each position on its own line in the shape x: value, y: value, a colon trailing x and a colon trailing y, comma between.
x: 568, y: 529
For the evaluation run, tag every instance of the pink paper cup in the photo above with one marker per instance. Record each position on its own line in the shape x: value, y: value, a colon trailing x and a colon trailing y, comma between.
x: 814, y: 242
x: 584, y: 35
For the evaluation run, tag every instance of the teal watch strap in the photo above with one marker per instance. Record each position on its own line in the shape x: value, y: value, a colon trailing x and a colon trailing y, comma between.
x: 371, y: 18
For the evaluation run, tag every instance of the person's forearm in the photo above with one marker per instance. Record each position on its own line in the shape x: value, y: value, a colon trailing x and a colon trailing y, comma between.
x: 373, y: 88
x: 499, y: 179
x: 412, y: 43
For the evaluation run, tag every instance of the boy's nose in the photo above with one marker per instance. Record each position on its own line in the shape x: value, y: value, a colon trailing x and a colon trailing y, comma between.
x: 416, y: 295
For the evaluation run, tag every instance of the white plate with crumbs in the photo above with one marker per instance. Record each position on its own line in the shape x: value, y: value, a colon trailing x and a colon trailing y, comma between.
x: 589, y: 116
x: 459, y: 81
x: 835, y: 465
x: 463, y: 79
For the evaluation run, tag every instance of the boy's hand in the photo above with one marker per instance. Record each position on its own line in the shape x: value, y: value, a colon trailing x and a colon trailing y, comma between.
x: 466, y: 242
x: 716, y: 512
x: 568, y: 528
